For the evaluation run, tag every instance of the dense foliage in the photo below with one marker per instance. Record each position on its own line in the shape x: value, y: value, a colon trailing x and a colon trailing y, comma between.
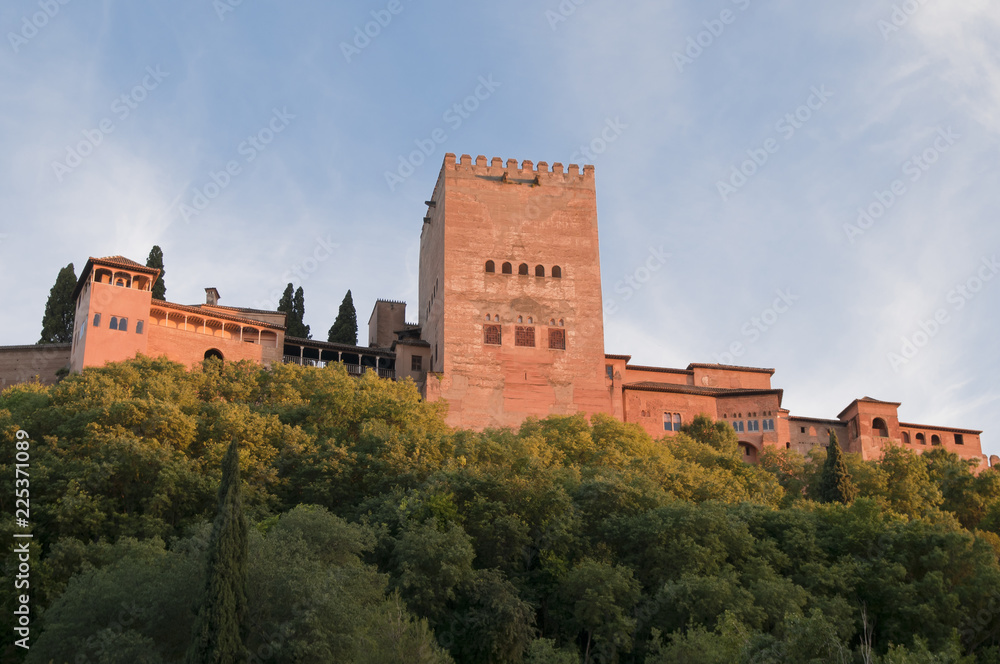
x: 379, y: 534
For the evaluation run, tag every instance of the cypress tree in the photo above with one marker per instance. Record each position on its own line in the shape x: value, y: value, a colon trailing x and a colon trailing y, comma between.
x: 285, y: 303
x: 299, y: 314
x: 345, y: 329
x: 294, y: 306
x: 155, y: 259
x: 220, y: 626
x: 835, y: 483
x: 60, y: 309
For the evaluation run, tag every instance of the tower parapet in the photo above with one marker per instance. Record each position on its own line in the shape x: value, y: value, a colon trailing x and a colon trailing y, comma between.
x: 540, y: 174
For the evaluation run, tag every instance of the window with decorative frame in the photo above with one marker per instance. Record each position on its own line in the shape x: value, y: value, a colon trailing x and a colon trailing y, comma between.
x: 492, y: 335
x: 557, y: 338
x: 524, y: 335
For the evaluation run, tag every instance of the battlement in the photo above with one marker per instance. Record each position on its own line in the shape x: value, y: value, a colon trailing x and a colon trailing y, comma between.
x: 526, y: 172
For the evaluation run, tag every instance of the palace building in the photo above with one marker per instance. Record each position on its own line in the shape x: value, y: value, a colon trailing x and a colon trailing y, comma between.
x: 510, y: 325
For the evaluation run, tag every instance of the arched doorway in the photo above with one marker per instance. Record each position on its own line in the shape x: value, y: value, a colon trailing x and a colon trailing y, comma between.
x: 749, y: 452
x: 213, y: 352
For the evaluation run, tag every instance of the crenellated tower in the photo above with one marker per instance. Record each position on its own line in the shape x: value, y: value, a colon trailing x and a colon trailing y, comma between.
x: 510, y: 291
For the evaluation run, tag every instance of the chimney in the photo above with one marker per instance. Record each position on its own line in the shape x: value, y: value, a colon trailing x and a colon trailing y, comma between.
x: 211, y: 296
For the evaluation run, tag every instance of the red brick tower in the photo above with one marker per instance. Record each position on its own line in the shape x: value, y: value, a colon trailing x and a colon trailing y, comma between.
x: 510, y: 292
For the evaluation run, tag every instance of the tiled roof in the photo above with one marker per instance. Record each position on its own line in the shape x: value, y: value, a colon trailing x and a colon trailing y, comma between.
x: 244, y: 310
x: 730, y: 367
x: 198, y: 311
x: 639, y: 367
x: 345, y: 348
x: 930, y: 427
x: 121, y: 261
x: 617, y: 357
x: 651, y: 386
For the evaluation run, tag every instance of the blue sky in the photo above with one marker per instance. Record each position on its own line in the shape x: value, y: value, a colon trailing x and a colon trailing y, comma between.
x: 738, y: 138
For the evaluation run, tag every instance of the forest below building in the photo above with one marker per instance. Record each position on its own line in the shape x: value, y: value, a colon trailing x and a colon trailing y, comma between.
x: 378, y: 534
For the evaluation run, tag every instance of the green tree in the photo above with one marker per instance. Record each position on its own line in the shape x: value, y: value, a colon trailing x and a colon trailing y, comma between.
x: 220, y: 628
x: 299, y: 312
x: 293, y: 304
x: 57, y: 324
x: 345, y: 329
x: 155, y: 259
x: 835, y: 483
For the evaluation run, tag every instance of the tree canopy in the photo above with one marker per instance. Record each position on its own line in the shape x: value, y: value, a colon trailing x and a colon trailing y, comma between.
x: 376, y: 533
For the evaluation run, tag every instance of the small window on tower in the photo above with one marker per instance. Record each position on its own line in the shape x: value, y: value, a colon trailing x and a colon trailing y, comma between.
x: 557, y: 272
x: 114, y: 323
x: 539, y: 270
x: 97, y: 320
x: 557, y: 338
x: 491, y: 267
x: 522, y: 269
x: 123, y: 324
x: 491, y: 335
x: 138, y: 327
x: 609, y: 369
x: 506, y: 268
x: 524, y: 336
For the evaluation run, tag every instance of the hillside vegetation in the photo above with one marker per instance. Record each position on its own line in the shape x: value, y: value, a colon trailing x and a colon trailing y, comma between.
x: 380, y: 535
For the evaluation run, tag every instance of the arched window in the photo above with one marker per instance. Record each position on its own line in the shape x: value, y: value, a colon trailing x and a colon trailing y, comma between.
x: 531, y: 321
x: 561, y: 324
x: 491, y: 267
x: 506, y: 268
x: 905, y: 436
x: 138, y: 327
x: 879, y: 428
x: 213, y: 352
x: 114, y: 323
x: 520, y: 319
x: 123, y: 324
x: 539, y: 270
x: 488, y: 317
x: 522, y: 269
x: 120, y: 282
x: 935, y: 440
x: 557, y: 272
x: 97, y: 320
x: 920, y: 439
